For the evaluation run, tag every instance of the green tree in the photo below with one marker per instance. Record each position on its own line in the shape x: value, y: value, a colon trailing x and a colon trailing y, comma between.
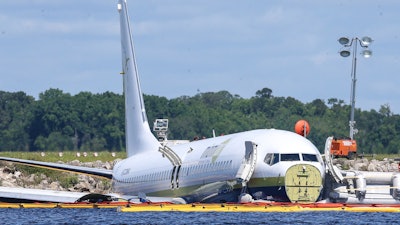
x: 86, y: 121
x: 15, y: 118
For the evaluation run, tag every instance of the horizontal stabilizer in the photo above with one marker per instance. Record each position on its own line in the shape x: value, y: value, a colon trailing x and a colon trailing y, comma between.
x: 104, y: 173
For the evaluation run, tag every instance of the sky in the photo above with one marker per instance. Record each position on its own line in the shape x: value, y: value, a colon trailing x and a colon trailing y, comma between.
x: 186, y: 47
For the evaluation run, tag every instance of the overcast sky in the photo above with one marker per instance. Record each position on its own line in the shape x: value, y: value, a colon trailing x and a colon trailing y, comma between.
x: 185, y: 47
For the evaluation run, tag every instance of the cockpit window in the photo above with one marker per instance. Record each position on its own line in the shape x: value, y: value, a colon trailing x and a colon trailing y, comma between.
x: 271, y: 158
x: 268, y: 158
x: 310, y: 158
x: 290, y: 157
x: 276, y: 159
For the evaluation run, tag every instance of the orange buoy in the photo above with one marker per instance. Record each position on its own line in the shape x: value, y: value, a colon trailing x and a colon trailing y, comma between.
x: 302, y: 128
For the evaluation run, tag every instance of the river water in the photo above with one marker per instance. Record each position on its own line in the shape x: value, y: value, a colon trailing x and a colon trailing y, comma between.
x: 111, y: 216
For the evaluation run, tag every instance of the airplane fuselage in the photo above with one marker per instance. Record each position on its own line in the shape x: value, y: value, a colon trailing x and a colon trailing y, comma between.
x: 209, y: 167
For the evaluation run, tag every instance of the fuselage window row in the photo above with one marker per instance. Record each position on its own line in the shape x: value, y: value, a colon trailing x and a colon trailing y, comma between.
x: 186, y: 171
x: 157, y: 176
x: 206, y: 168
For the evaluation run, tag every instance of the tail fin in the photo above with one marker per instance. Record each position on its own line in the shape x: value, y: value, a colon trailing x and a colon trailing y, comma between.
x: 137, y: 130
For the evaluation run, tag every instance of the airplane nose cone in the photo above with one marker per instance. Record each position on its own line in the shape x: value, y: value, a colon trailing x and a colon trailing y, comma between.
x: 303, y: 183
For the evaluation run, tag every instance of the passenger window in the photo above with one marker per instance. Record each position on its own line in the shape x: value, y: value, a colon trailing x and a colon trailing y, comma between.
x: 310, y: 158
x: 290, y: 157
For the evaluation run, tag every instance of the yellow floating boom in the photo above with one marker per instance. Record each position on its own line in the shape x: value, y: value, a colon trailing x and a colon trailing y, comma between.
x: 63, y: 205
x: 224, y: 207
x: 258, y: 208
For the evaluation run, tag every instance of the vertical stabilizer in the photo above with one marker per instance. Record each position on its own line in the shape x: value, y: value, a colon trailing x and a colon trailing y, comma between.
x: 137, y: 130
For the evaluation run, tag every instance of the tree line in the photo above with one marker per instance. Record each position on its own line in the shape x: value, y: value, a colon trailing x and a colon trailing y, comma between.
x: 59, y: 121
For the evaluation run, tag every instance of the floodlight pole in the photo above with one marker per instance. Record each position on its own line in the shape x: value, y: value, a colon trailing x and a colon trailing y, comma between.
x: 353, y: 90
x: 364, y: 42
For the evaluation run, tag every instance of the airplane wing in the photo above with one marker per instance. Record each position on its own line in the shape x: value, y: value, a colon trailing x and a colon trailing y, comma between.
x: 25, y: 195
x: 103, y: 173
x: 29, y: 195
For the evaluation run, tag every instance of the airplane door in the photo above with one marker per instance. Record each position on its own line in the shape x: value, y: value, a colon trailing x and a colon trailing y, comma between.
x: 248, y: 165
x: 176, y: 162
x: 173, y: 178
x: 177, y: 176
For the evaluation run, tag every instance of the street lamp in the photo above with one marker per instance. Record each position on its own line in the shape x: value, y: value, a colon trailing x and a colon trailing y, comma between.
x: 345, y: 52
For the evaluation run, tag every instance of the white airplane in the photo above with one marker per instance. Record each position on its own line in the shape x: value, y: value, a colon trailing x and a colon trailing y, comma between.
x: 263, y: 164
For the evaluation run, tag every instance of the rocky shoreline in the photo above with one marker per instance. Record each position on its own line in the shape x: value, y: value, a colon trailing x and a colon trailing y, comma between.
x: 12, y: 175
x: 363, y: 164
